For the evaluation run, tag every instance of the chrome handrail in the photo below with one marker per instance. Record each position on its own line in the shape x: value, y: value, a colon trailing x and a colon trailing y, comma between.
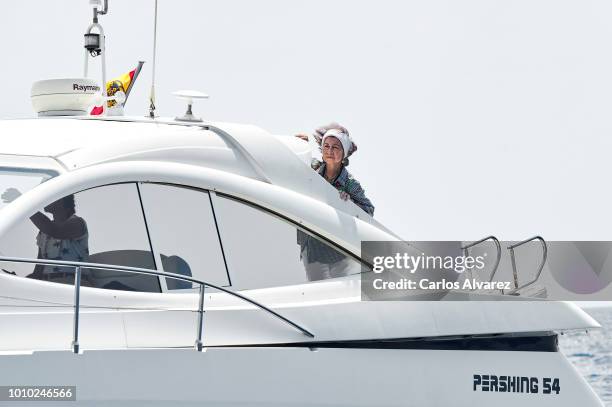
x: 78, y: 266
x: 77, y: 307
x: 513, y: 259
x: 497, y: 246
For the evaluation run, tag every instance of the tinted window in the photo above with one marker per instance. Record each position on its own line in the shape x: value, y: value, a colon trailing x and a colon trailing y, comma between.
x: 184, y: 234
x: 263, y: 250
x: 16, y: 181
x: 100, y: 225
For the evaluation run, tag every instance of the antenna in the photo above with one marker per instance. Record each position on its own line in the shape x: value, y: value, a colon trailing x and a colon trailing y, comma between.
x: 95, y: 44
x: 189, y: 96
x: 152, y: 95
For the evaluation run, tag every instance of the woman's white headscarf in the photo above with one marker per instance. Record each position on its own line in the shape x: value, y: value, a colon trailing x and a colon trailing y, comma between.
x: 340, y: 132
x: 342, y: 137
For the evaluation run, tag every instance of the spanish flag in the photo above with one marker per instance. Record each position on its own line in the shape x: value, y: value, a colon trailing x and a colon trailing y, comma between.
x: 122, y: 83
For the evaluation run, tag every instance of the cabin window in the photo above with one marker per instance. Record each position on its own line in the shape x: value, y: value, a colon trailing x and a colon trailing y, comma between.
x: 184, y: 234
x: 263, y: 250
x: 16, y: 181
x: 100, y: 225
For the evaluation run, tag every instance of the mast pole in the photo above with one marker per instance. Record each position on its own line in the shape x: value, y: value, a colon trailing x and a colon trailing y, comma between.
x: 152, y: 95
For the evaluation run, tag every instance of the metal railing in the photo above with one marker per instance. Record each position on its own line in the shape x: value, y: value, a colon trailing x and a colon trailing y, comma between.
x: 513, y: 260
x: 466, y: 252
x: 78, y: 266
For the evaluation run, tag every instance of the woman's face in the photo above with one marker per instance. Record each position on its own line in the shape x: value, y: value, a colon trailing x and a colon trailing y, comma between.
x: 333, y: 153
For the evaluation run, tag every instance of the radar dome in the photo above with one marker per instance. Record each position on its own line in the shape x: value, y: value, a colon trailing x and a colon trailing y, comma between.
x: 64, y: 97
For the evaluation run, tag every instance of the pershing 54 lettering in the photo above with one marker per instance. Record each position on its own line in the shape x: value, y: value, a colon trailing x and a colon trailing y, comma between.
x: 516, y: 384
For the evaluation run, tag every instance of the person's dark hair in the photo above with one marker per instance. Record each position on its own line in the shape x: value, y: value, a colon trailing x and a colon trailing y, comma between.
x: 68, y: 202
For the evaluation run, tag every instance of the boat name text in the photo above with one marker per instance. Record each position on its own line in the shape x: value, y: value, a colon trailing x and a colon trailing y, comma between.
x: 515, y: 384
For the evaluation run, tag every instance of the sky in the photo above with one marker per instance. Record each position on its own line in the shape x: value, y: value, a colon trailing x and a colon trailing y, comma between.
x: 472, y: 118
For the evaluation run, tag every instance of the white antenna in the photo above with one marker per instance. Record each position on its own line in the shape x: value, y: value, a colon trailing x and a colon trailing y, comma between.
x: 95, y: 45
x: 152, y: 95
x: 189, y: 96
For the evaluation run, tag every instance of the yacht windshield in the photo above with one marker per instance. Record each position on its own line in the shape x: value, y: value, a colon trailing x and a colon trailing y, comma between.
x: 16, y: 181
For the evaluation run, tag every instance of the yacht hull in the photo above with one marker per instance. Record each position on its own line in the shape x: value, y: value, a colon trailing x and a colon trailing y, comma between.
x: 301, y: 377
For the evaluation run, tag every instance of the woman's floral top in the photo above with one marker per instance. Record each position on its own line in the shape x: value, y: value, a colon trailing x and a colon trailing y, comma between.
x: 317, y: 251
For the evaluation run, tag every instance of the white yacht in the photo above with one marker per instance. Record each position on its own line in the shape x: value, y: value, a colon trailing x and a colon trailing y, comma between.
x: 187, y: 284
x: 222, y: 204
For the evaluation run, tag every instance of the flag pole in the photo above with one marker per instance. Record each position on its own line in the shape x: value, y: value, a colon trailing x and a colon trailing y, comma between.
x: 136, y: 73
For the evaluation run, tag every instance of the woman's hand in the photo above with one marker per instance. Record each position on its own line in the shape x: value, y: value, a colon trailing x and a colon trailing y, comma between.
x: 344, y: 195
x: 10, y: 195
x: 302, y: 136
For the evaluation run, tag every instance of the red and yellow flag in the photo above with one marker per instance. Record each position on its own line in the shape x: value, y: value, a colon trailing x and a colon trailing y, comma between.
x: 121, y: 83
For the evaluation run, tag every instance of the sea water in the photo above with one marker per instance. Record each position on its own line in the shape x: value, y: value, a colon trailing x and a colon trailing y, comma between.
x: 591, y: 353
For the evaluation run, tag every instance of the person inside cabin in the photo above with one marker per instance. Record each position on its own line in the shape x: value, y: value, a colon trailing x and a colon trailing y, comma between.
x: 64, y: 237
x: 320, y: 260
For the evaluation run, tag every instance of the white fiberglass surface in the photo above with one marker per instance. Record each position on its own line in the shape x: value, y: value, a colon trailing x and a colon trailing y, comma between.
x: 16, y: 181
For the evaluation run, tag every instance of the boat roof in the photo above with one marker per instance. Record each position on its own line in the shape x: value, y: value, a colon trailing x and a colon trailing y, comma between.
x: 241, y: 149
x: 59, y: 137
